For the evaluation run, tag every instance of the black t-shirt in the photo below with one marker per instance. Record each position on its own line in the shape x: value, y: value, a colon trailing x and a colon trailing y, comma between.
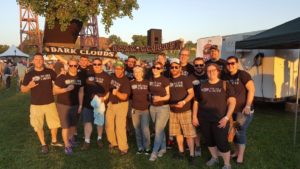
x: 70, y: 98
x: 197, y: 79
x: 187, y: 69
x: 140, y: 94
x: 178, y: 91
x: 239, y: 81
x: 84, y: 72
x: 124, y: 87
x: 212, y: 99
x: 129, y: 73
x: 221, y: 63
x: 157, y: 88
x: 95, y: 84
x: 42, y: 93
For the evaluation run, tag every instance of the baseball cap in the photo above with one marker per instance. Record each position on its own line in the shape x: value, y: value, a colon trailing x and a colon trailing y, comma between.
x: 119, y: 63
x: 175, y: 60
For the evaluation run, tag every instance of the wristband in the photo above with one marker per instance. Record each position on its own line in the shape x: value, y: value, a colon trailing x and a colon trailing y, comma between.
x: 226, y: 118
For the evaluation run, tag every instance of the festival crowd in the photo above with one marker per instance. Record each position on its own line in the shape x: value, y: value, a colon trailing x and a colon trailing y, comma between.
x: 173, y: 100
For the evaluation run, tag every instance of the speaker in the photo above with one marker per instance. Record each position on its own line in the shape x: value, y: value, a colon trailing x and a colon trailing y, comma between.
x: 55, y: 35
x: 154, y: 37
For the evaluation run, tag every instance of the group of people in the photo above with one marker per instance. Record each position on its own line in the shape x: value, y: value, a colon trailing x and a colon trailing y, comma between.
x: 188, y: 99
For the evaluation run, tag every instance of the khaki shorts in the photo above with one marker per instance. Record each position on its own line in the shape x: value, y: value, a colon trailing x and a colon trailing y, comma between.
x: 39, y: 112
x: 181, y: 124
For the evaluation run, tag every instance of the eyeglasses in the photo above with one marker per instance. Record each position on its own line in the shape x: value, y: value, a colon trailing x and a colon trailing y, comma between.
x: 199, y: 65
x: 157, y: 68
x: 95, y: 64
x: 174, y: 67
x: 230, y: 63
x: 73, y: 65
x: 211, y: 71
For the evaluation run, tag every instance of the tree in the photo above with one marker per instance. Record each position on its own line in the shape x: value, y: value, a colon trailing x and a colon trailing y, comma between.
x: 139, y: 40
x: 190, y: 44
x: 116, y: 40
x: 66, y: 10
x: 3, y: 48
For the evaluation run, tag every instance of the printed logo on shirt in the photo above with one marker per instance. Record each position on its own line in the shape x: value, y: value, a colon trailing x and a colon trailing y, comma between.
x: 155, y: 84
x: 196, y: 82
x: 139, y: 87
x: 234, y: 81
x: 115, y: 84
x: 184, y: 73
x: 73, y: 82
x: 176, y: 84
x: 42, y: 77
x: 91, y: 78
x: 211, y: 90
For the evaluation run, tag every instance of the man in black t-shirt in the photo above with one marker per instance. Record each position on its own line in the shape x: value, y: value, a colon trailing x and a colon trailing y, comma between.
x: 186, y: 67
x: 39, y: 83
x: 117, y: 108
x: 215, y: 58
x: 129, y: 67
x: 98, y: 84
x: 69, y: 90
x: 181, y: 94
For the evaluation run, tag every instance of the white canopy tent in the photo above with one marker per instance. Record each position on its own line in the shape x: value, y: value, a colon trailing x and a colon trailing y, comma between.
x: 13, y: 51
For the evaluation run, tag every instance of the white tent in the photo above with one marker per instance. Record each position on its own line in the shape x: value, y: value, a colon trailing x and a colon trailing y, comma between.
x: 13, y: 51
x: 122, y: 56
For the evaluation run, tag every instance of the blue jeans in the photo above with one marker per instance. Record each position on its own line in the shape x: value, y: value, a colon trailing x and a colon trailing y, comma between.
x: 140, y: 120
x: 160, y: 116
x: 240, y: 135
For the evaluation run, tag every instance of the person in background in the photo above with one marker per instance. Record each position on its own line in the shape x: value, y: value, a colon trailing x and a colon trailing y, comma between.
x: 69, y: 90
x: 197, y: 77
x: 181, y: 126
x: 117, y: 109
x: 130, y: 64
x: 20, y: 71
x: 244, y: 90
x: 216, y: 58
x: 159, y: 87
x: 140, y: 112
x: 213, y: 107
x: 8, y: 74
x: 39, y: 82
x: 186, y: 67
x: 97, y: 83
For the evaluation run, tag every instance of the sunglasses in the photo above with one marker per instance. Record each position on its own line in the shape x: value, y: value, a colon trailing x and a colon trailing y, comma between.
x: 95, y: 64
x: 73, y: 65
x: 199, y: 65
x: 157, y: 68
x: 230, y: 63
x: 174, y: 67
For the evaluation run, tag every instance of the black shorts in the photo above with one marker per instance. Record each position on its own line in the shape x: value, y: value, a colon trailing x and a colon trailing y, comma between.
x: 67, y: 115
x: 87, y: 115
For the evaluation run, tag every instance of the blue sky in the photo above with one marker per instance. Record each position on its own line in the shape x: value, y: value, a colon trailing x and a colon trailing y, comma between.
x: 189, y: 19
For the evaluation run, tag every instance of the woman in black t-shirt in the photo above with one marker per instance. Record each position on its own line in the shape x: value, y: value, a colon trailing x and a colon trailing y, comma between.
x: 159, y: 87
x: 140, y: 113
x: 213, y: 106
x: 244, y: 90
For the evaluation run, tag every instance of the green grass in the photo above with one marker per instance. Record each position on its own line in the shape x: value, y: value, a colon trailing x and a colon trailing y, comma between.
x: 269, y: 143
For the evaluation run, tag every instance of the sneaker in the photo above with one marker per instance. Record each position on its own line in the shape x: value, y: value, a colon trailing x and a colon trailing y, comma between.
x: 68, y: 151
x: 140, y: 151
x: 100, y: 143
x: 191, y: 160
x: 85, y: 146
x: 153, y: 157
x: 44, y: 149
x: 198, y: 152
x: 178, y: 156
x: 161, y: 152
x: 147, y: 151
x: 212, y: 161
x: 56, y: 144
x: 73, y: 143
x: 226, y: 167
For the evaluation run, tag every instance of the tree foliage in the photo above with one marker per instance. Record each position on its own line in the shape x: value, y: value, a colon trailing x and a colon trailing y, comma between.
x: 3, y: 48
x: 116, y: 40
x: 190, y: 44
x: 139, y: 40
x: 66, y: 10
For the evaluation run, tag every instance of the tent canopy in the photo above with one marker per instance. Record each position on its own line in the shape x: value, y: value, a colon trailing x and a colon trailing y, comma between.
x: 13, y: 51
x: 284, y: 36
